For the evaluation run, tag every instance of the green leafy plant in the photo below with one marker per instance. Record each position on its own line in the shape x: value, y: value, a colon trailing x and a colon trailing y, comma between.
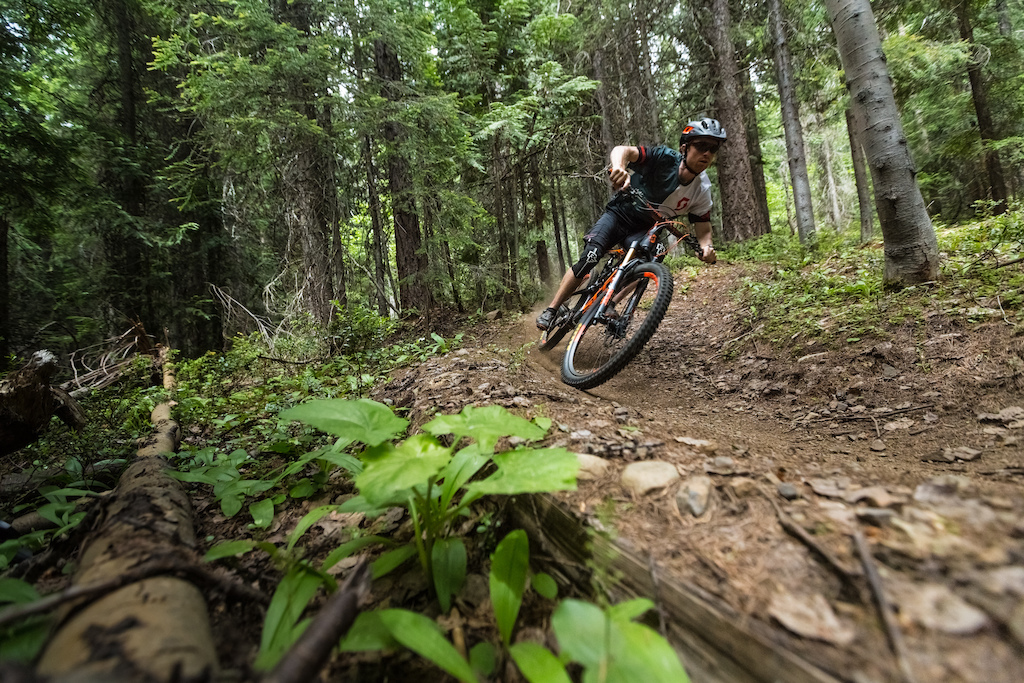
x: 608, y: 643
x: 432, y: 481
x: 22, y: 640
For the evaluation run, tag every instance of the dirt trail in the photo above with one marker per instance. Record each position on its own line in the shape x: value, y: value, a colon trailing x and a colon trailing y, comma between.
x: 828, y: 442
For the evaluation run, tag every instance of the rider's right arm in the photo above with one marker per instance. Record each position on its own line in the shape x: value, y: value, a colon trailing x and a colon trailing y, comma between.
x: 620, y: 157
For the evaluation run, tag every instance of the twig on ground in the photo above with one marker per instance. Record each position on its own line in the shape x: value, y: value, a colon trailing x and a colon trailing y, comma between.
x: 307, y: 656
x: 892, y: 628
x: 850, y: 418
x: 848, y: 576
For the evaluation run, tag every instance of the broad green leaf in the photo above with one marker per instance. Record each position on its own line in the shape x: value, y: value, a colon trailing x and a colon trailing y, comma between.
x: 307, y: 521
x: 421, y: 635
x: 17, y: 591
x: 484, y: 425
x: 55, y: 512
x: 544, y: 585
x: 228, y: 549
x: 22, y: 642
x: 368, y: 633
x: 262, y: 512
x: 582, y: 632
x: 362, y: 420
x: 230, y: 504
x: 626, y: 611
x: 543, y: 422
x: 353, y: 546
x: 358, y: 503
x: 63, y: 494
x: 303, y: 488
x: 345, y: 461
x: 393, y: 471
x: 448, y: 564
x: 280, y: 626
x: 391, y: 560
x: 538, y: 664
x: 460, y: 470
x: 530, y: 471
x: 483, y: 658
x: 638, y: 652
x: 509, y: 564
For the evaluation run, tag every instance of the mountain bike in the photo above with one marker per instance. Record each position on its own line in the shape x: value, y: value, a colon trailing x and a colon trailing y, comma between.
x: 606, y: 334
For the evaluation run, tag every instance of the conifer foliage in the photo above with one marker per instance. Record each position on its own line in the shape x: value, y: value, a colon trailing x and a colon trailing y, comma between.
x: 207, y: 168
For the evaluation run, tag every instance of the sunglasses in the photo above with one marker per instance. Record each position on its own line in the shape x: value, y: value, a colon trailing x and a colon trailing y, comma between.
x: 703, y: 146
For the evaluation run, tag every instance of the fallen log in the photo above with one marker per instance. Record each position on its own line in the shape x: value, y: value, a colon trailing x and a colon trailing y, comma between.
x: 155, y: 629
x: 716, y: 644
x: 27, y: 402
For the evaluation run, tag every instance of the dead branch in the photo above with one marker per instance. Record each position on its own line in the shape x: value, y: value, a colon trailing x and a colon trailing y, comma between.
x: 848, y: 576
x: 308, y: 655
x: 892, y: 628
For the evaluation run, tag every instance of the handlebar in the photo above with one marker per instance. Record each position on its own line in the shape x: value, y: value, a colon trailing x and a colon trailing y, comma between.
x: 640, y: 201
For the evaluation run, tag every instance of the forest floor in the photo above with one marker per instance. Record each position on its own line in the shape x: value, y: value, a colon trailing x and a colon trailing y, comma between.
x: 913, y: 441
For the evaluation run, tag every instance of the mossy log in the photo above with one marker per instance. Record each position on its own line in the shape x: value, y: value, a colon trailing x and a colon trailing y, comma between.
x: 156, y: 629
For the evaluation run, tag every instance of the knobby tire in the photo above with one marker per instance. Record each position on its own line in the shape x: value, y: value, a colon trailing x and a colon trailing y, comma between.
x: 595, y: 353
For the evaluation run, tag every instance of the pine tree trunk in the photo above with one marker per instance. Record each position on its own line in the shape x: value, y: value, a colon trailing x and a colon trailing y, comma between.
x: 5, y: 292
x: 860, y: 176
x: 555, y: 219
x: 754, y: 150
x: 741, y: 218
x: 986, y: 128
x: 796, y: 156
x: 835, y: 211
x: 541, y: 245
x: 376, y: 229
x: 409, y: 254
x: 911, y: 249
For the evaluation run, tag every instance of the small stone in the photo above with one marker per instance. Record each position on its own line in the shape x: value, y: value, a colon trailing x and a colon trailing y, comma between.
x: 877, y: 446
x: 889, y: 371
x: 787, y: 490
x: 723, y: 464
x: 648, y: 475
x: 875, y: 516
x: 694, y: 495
x: 581, y: 435
x: 743, y: 486
x: 591, y: 466
x: 700, y: 445
x: 877, y: 496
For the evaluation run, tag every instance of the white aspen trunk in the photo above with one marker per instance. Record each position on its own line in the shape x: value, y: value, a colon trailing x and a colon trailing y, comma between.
x: 803, y: 204
x: 860, y: 175
x: 911, y: 250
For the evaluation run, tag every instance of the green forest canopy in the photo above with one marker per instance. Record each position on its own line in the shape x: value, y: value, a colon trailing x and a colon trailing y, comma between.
x: 204, y: 167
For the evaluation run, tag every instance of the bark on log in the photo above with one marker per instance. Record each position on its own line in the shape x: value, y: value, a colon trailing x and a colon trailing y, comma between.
x: 717, y: 644
x: 156, y: 629
x: 27, y: 402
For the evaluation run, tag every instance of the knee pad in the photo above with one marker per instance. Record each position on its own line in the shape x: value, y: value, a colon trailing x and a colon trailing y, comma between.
x: 588, y: 259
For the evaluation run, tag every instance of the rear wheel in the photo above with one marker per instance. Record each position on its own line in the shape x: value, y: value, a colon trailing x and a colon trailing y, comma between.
x: 601, y: 347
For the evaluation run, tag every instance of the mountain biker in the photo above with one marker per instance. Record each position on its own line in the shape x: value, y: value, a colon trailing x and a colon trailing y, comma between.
x: 674, y: 182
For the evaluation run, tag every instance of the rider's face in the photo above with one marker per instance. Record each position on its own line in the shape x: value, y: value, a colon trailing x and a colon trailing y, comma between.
x: 701, y: 153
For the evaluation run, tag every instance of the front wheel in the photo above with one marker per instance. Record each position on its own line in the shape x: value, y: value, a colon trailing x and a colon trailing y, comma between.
x: 562, y: 324
x: 600, y: 348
